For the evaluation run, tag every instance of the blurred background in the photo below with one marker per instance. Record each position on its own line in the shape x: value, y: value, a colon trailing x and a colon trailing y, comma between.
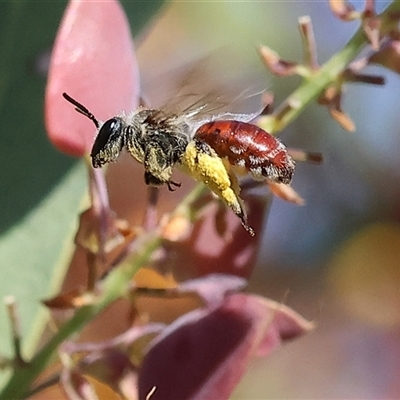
x: 335, y: 260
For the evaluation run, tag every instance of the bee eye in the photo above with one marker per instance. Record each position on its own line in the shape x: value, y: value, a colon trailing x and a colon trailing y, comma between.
x: 108, y: 143
x: 108, y: 129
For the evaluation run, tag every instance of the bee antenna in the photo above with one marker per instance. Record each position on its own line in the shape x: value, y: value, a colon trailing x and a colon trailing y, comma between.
x: 81, y: 109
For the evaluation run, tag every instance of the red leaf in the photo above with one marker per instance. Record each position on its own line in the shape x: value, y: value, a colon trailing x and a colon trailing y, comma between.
x: 76, y: 386
x: 204, y: 354
x: 205, y: 251
x: 93, y: 60
x: 112, y: 367
x: 213, y: 288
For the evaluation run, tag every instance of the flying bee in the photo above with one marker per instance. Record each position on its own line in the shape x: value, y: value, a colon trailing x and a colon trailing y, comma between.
x: 220, y: 149
x: 210, y: 148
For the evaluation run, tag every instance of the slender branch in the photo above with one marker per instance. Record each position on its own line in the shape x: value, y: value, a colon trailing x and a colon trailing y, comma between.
x: 151, y: 214
x: 11, y: 306
x: 114, y: 286
x: 312, y: 87
x: 308, y: 39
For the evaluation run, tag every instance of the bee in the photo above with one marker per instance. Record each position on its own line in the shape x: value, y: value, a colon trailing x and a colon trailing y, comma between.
x: 212, y: 149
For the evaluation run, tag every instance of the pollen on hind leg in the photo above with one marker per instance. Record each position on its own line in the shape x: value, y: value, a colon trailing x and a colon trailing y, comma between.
x: 235, y: 204
x: 247, y: 227
x: 204, y: 164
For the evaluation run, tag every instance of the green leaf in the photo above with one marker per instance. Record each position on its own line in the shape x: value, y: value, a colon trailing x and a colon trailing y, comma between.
x: 140, y: 12
x: 41, y: 189
x: 35, y: 252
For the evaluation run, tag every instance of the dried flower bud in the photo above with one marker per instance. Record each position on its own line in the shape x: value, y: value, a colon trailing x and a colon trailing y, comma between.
x: 350, y: 75
x: 343, y: 119
x: 75, y: 298
x: 306, y: 156
x: 343, y: 10
x: 309, y: 45
x: 332, y: 98
x: 388, y: 56
x: 285, y: 192
x: 275, y: 64
x: 372, y: 26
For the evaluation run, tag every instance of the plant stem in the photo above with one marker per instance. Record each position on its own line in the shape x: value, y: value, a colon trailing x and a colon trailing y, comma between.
x: 114, y: 286
x: 312, y: 86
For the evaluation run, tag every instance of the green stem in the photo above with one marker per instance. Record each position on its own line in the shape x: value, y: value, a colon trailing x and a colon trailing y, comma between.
x: 114, y: 286
x: 313, y: 86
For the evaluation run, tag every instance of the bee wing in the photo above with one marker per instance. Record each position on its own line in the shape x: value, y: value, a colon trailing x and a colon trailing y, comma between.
x: 208, y: 109
x: 204, y: 91
x: 211, y: 107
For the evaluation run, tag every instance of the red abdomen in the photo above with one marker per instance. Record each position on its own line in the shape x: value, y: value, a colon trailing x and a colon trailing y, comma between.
x: 247, y: 145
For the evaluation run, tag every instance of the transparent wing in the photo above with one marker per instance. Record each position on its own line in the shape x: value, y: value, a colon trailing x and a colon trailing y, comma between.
x: 205, y: 90
x: 246, y: 106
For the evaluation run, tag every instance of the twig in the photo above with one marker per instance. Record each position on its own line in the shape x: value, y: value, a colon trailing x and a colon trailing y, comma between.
x: 11, y: 306
x: 309, y: 46
x: 150, y: 216
x: 311, y: 88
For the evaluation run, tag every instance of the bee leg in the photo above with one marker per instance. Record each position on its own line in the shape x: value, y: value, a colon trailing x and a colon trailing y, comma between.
x: 152, y: 180
x: 246, y: 226
x: 204, y: 164
x: 173, y: 185
x: 238, y: 207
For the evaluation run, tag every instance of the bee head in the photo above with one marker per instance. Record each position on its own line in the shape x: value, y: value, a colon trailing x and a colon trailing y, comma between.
x: 109, y: 142
x: 110, y: 138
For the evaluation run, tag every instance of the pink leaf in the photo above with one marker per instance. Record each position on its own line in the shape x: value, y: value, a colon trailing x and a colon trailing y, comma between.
x: 204, y: 354
x: 93, y: 61
x: 76, y: 386
x: 206, y: 251
x: 123, y: 340
x: 213, y: 288
x: 114, y: 368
